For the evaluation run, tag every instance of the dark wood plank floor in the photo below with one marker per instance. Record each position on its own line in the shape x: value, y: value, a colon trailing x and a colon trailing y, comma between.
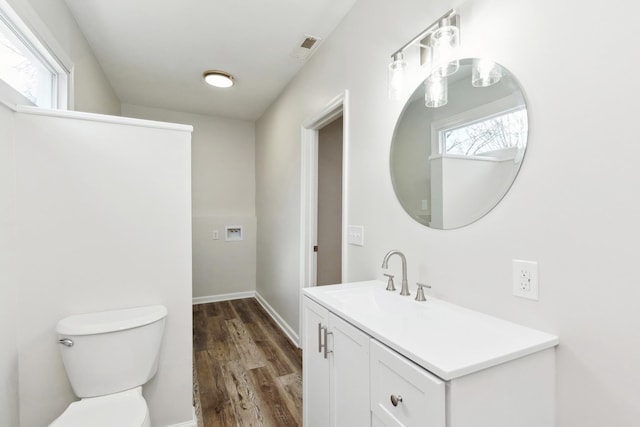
x: 249, y: 373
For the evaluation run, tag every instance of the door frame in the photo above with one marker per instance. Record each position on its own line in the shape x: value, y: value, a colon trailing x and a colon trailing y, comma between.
x: 337, y: 107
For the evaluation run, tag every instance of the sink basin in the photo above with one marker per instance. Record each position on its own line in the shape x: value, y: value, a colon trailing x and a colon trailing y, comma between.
x: 368, y: 299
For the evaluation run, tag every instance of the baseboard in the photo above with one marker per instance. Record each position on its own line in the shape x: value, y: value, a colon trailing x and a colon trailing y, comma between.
x: 192, y: 423
x: 288, y: 331
x: 223, y: 297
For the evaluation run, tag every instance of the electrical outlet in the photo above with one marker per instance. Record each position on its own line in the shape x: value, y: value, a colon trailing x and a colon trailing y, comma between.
x: 525, y: 279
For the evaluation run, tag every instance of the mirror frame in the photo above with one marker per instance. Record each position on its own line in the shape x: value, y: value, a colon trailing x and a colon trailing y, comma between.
x: 517, y: 97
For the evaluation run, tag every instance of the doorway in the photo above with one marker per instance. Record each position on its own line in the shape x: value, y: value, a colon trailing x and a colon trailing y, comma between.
x: 329, y: 205
x: 316, y: 215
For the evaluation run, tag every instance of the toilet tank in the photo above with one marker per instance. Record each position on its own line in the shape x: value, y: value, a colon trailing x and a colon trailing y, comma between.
x: 111, y: 351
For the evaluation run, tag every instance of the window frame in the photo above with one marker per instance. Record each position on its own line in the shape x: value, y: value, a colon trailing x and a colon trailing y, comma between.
x: 443, y: 140
x: 473, y: 115
x: 24, y: 22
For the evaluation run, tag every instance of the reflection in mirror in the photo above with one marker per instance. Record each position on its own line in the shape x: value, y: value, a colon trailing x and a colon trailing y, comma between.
x: 452, y: 164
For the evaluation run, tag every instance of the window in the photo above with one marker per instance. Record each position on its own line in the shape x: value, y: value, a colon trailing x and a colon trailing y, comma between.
x: 498, y: 132
x: 27, y: 66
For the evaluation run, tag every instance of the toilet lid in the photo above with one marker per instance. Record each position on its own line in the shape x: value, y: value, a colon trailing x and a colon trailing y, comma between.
x: 121, y: 409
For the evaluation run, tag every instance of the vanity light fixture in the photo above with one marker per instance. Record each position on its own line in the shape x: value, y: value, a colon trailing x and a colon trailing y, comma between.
x: 485, y: 73
x: 218, y: 78
x: 437, y: 45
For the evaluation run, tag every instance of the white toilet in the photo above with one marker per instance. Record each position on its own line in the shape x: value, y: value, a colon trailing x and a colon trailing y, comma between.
x: 109, y: 356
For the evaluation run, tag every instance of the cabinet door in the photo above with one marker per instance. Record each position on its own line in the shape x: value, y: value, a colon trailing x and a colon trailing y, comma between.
x: 315, y: 368
x: 402, y: 393
x: 349, y: 374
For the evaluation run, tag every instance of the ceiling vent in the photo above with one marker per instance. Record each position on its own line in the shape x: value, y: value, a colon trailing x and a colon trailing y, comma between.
x: 308, y: 45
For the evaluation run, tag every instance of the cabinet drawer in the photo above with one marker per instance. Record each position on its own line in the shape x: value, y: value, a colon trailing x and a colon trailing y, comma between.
x: 419, y: 395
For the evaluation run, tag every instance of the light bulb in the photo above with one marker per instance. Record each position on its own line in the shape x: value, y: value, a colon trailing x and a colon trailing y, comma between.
x: 485, y: 73
x: 396, y: 76
x: 435, y: 91
x: 444, y: 45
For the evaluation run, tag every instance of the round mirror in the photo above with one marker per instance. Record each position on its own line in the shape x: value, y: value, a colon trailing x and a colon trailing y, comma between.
x: 454, y: 160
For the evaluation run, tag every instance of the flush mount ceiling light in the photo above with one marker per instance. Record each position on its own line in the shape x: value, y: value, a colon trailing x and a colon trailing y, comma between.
x: 218, y: 78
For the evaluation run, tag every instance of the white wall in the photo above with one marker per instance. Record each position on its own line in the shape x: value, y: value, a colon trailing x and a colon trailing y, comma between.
x: 104, y: 222
x: 573, y: 207
x: 223, y: 182
x: 92, y: 91
x: 411, y: 165
x: 8, y: 280
x: 468, y: 188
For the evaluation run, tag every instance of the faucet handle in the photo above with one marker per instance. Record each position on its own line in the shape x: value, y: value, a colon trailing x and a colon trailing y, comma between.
x: 390, y: 285
x: 420, y: 294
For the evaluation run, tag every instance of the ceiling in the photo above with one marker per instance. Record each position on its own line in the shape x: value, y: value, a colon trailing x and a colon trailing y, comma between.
x: 154, y: 52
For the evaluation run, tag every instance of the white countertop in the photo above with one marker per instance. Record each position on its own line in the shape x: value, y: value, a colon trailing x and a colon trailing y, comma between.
x: 447, y: 340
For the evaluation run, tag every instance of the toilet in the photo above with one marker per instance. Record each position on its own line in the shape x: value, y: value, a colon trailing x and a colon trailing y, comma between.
x: 108, y: 357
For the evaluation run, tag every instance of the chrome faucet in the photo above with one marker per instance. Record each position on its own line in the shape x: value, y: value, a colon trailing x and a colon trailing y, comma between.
x: 405, y: 285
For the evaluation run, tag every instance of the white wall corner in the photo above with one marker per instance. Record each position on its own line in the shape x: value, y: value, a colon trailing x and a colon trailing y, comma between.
x: 286, y: 328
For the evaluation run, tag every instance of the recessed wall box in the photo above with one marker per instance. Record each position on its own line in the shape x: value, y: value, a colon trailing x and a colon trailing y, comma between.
x: 232, y: 233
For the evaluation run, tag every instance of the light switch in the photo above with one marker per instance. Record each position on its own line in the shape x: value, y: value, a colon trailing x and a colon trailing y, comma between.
x: 355, y: 235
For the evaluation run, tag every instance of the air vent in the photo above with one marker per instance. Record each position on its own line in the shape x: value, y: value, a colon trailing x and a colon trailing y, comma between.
x: 308, y: 45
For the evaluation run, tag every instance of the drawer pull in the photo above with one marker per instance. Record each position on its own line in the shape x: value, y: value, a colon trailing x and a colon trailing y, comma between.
x: 395, y: 399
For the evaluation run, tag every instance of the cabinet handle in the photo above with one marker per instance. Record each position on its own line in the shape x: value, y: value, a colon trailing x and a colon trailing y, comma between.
x: 326, y: 343
x: 395, y: 399
x: 322, y: 332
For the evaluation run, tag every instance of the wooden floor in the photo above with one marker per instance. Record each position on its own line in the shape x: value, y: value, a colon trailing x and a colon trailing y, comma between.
x: 249, y: 373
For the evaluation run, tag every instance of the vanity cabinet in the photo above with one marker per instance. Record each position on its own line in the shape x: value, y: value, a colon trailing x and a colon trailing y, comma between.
x: 335, y: 370
x: 315, y: 367
x: 373, y: 358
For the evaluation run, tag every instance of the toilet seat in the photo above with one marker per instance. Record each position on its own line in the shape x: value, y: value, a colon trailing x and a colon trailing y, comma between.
x: 124, y: 409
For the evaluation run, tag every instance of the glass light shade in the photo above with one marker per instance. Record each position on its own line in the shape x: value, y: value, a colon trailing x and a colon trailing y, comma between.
x: 485, y: 73
x: 444, y: 44
x: 396, y: 76
x: 218, y: 78
x: 435, y: 91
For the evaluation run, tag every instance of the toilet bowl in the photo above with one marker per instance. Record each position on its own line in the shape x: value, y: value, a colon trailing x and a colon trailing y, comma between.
x: 108, y: 357
x: 124, y: 409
